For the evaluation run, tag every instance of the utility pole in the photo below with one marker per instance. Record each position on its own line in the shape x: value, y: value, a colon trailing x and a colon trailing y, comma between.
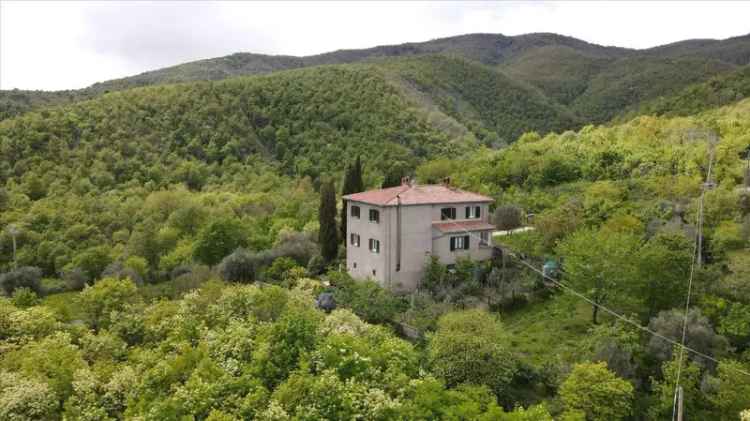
x: 708, y: 185
x: 13, y: 231
x: 678, y: 401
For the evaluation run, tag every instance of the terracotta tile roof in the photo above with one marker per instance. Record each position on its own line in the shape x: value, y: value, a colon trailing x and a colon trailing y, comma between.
x: 417, y: 195
x: 462, y: 226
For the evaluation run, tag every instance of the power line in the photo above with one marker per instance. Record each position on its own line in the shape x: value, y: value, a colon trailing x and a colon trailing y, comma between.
x: 602, y: 307
x: 697, y: 260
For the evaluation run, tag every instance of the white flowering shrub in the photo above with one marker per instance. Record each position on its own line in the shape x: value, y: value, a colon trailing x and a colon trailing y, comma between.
x: 23, y: 399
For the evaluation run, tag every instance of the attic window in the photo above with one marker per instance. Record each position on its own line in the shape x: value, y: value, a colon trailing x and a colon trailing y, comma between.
x: 447, y: 213
x: 355, y: 211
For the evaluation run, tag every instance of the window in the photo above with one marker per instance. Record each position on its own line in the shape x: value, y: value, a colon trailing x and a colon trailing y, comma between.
x: 374, y: 216
x: 447, y: 213
x: 354, y: 239
x: 484, y: 238
x: 355, y: 211
x: 374, y: 273
x: 355, y: 265
x: 473, y: 212
x: 460, y: 243
x: 374, y: 245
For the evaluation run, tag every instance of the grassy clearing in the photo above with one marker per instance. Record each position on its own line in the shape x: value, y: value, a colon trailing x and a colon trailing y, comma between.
x: 549, y: 330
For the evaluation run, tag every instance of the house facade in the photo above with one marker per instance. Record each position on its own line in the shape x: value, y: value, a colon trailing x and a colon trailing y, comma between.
x: 392, y: 232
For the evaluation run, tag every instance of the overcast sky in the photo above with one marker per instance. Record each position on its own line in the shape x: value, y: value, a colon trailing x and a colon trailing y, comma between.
x: 65, y: 45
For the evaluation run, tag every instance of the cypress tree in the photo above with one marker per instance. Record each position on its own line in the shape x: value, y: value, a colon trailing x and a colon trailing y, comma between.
x: 358, y: 184
x: 346, y: 188
x: 327, y: 236
x: 352, y: 184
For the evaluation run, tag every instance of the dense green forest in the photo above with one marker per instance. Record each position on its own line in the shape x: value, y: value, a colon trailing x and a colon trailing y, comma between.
x: 162, y: 248
x: 717, y: 91
x: 120, y: 166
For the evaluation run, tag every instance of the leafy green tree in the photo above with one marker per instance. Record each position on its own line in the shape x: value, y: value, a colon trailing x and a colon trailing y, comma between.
x: 729, y: 389
x: 367, y: 299
x: 327, y: 236
x: 436, y: 171
x: 596, y: 391
x: 284, y: 343
x: 25, y: 297
x: 52, y: 360
x: 429, y: 399
x: 471, y: 347
x: 736, y: 324
x: 602, y: 264
x: 435, y: 275
x: 616, y: 344
x: 280, y: 269
x: 663, y: 265
x: 92, y: 261
x: 22, y: 398
x: 217, y: 240
x: 326, y: 397
x: 395, y: 174
x: 663, y: 389
x: 109, y: 295
x: 4, y: 199
x: 364, y: 353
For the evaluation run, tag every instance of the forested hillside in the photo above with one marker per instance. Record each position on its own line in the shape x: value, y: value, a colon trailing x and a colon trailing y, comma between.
x: 157, y: 335
x: 717, y: 91
x: 593, y: 83
x: 94, y: 176
x: 495, y: 108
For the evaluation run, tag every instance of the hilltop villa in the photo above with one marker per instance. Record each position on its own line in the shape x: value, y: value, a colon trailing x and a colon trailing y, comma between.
x: 391, y: 232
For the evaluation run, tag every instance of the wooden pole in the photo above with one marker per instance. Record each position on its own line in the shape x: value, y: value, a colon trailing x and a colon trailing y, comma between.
x: 679, y: 403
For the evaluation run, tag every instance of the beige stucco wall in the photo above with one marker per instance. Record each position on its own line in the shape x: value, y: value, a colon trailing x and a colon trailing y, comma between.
x: 441, y: 248
x: 366, y: 261
x: 416, y: 244
x: 418, y: 240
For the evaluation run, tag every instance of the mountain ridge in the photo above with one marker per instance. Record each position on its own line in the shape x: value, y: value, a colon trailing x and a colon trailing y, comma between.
x: 585, y: 77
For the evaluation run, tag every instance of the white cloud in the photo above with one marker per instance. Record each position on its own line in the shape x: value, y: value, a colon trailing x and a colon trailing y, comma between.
x: 59, y: 45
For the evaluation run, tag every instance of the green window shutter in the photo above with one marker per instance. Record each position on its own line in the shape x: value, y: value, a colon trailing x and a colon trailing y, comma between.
x: 466, y: 242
